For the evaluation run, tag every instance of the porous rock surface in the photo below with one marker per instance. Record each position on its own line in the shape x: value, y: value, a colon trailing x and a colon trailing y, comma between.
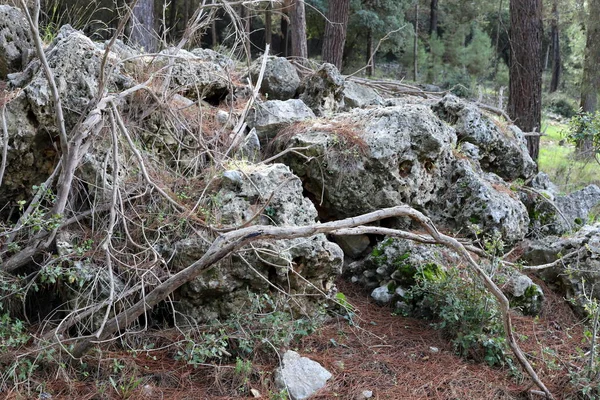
x: 369, y: 159
x: 578, y: 273
x: 280, y: 80
x: 270, y: 117
x: 16, y: 45
x: 224, y: 289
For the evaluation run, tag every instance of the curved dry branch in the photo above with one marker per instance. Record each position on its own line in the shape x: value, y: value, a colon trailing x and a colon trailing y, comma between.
x: 232, y: 241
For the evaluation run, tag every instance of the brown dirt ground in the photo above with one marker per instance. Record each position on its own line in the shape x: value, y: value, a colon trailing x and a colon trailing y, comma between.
x: 387, y: 354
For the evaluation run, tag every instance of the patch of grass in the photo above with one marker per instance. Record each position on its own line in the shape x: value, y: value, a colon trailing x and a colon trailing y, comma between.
x: 559, y: 162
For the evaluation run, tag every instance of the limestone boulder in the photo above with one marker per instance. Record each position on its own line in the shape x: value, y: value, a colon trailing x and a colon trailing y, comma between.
x: 356, y: 95
x: 16, y: 45
x: 195, y: 76
x: 270, y: 117
x: 578, y: 273
x: 502, y: 149
x: 280, y: 80
x: 323, y: 91
x: 300, y: 376
x: 370, y: 159
x: 241, y: 194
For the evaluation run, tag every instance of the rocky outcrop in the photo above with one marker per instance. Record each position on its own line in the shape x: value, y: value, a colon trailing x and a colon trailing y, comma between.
x: 355, y: 95
x: 195, y: 76
x: 270, y: 117
x: 369, y: 159
x: 280, y: 81
x: 502, y: 149
x: 16, y: 46
x: 323, y: 90
x: 553, y: 214
x: 578, y: 273
x: 223, y: 289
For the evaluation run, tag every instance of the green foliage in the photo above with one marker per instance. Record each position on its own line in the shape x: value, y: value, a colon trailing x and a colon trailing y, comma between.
x: 207, y: 346
x: 463, y: 310
x: 561, y: 104
x: 585, y: 127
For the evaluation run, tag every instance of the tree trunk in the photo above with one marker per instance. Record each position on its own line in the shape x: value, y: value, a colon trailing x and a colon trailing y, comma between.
x: 245, y: 16
x: 556, y: 62
x: 142, y: 26
x: 268, y: 24
x: 335, y: 32
x: 298, y: 28
x: 416, y: 43
x: 213, y: 30
x: 497, y: 45
x: 525, y: 83
x: 433, y: 17
x: 285, y: 29
x: 590, y: 82
x: 370, y: 55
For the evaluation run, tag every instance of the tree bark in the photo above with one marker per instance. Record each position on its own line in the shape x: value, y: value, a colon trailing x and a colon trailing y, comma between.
x: 525, y: 83
x: 556, y: 61
x: 590, y: 82
x: 245, y: 16
x: 433, y: 17
x: 285, y: 29
x: 298, y: 25
x: 416, y: 43
x: 268, y: 24
x: 142, y: 26
x: 370, y: 55
x: 335, y: 32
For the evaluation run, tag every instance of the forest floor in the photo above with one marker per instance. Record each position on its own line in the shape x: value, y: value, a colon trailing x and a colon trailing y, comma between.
x: 392, y: 356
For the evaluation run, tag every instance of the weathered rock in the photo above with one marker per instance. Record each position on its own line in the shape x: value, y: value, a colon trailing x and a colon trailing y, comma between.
x: 578, y: 274
x: 579, y: 206
x: 365, y: 160
x: 523, y: 293
x: 382, y: 294
x: 280, y: 81
x: 355, y: 95
x: 353, y: 245
x: 194, y: 76
x: 552, y: 214
x: 269, y: 117
x: 16, y: 46
x: 301, y: 376
x: 224, y: 289
x: 503, y: 150
x: 323, y: 91
x: 212, y: 56
x: 393, y: 263
x: 491, y: 207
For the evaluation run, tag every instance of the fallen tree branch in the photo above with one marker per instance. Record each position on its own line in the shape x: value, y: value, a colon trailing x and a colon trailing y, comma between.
x: 232, y: 241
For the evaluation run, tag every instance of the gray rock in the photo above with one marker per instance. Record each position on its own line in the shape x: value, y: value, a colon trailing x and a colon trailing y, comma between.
x: 250, y: 148
x: 16, y: 46
x: 578, y: 206
x: 280, y: 81
x: 356, y: 95
x: 576, y: 209
x: 490, y: 206
x: 382, y: 295
x: 323, y: 91
x: 524, y: 294
x: 195, y: 77
x: 577, y: 275
x: 269, y: 117
x: 224, y: 289
x: 370, y: 159
x: 212, y: 56
x: 353, y: 245
x: 503, y: 149
x: 542, y: 182
x: 301, y: 376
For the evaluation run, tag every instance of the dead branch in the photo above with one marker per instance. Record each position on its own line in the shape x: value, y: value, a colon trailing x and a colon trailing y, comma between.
x: 232, y: 241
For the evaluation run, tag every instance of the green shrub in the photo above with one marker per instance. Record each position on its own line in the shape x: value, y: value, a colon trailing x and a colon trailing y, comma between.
x: 463, y: 310
x: 561, y: 104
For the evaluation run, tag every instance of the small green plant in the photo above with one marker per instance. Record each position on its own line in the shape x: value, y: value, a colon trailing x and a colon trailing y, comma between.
x: 463, y: 310
x: 208, y: 346
x: 126, y: 387
x: 585, y: 127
